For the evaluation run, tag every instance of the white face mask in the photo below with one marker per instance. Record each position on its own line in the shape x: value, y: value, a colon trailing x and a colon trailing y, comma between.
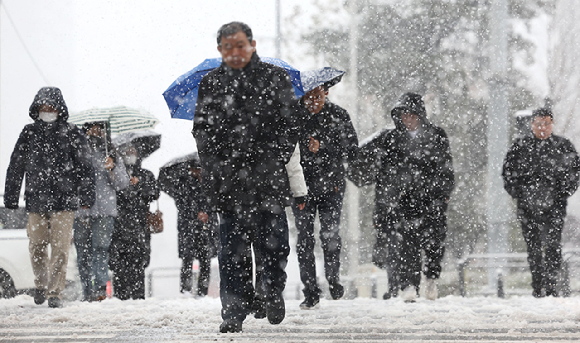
x: 130, y: 159
x: 48, y: 117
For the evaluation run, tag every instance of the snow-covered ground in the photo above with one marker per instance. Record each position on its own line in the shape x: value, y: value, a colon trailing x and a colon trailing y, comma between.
x: 452, y: 318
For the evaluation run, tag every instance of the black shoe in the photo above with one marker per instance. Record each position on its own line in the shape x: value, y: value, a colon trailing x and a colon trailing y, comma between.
x: 336, y: 290
x: 100, y: 294
x: 39, y: 296
x: 551, y: 291
x: 259, y: 308
x: 231, y: 326
x: 54, y: 302
x: 537, y: 293
x: 276, y: 309
x: 310, y: 303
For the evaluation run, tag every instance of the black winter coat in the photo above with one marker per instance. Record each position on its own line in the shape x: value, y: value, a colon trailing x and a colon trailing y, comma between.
x: 53, y: 156
x: 187, y: 192
x: 130, y: 235
x: 324, y: 171
x: 541, y: 174
x: 245, y: 135
x: 414, y: 172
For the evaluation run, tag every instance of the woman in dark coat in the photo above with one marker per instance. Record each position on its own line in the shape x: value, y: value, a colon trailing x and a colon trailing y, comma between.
x: 131, y: 244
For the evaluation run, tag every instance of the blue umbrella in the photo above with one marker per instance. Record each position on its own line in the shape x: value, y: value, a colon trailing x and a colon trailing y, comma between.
x: 325, y: 76
x: 181, y: 96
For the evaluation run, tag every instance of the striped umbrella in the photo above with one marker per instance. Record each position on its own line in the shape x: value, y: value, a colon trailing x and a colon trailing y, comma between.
x: 121, y: 119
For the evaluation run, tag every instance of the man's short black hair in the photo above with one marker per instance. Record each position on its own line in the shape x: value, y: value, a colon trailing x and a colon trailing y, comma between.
x: 542, y: 112
x: 232, y: 28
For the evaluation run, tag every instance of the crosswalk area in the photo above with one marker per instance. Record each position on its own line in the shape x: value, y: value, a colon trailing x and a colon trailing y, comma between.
x: 449, y: 319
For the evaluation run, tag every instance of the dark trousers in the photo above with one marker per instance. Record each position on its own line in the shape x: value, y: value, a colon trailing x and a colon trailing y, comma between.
x: 387, y: 249
x: 425, y: 233
x: 129, y: 275
x: 543, y: 235
x: 186, y: 275
x: 194, y: 243
x: 329, y: 207
x: 269, y: 233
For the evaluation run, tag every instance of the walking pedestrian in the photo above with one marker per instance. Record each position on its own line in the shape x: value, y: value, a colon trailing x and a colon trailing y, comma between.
x: 414, y: 182
x: 53, y: 155
x: 93, y: 227
x: 328, y: 141
x: 541, y: 171
x: 183, y: 183
x: 244, y: 135
x: 131, y: 242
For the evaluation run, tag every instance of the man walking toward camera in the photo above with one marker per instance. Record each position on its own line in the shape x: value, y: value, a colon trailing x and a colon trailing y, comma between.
x: 244, y: 137
x: 541, y: 172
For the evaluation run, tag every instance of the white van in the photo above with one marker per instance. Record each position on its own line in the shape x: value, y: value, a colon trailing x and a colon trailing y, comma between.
x: 16, y: 275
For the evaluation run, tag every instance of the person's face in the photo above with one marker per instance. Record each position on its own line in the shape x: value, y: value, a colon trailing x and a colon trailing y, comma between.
x: 195, y: 172
x: 95, y: 131
x: 542, y: 127
x: 47, y: 108
x: 411, y: 121
x: 314, y: 100
x: 236, y: 50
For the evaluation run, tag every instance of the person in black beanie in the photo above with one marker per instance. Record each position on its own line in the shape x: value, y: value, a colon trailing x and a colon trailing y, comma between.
x: 541, y: 171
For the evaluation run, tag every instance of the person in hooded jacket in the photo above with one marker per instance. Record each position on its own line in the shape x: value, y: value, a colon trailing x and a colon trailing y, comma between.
x: 414, y: 182
x: 130, y: 249
x: 93, y: 227
x: 328, y: 141
x: 194, y: 238
x: 53, y: 155
x: 245, y: 135
x: 540, y: 172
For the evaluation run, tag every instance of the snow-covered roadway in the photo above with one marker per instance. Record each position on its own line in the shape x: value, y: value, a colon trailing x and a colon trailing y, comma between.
x: 518, y: 319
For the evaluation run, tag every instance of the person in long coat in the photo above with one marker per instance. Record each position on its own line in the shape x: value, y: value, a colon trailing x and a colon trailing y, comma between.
x: 414, y: 182
x: 243, y: 131
x: 130, y: 250
x: 194, y: 238
x: 53, y: 155
x: 541, y: 171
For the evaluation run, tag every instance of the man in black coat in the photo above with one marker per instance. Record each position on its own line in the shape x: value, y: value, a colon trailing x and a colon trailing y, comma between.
x: 53, y: 155
x: 540, y: 172
x: 414, y: 182
x: 328, y: 141
x: 130, y: 250
x: 244, y: 135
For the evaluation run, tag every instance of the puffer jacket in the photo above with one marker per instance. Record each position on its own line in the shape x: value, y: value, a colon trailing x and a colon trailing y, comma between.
x: 54, y: 158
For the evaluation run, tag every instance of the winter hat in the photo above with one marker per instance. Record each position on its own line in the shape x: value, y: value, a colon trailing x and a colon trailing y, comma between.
x: 542, y: 112
x: 48, y: 96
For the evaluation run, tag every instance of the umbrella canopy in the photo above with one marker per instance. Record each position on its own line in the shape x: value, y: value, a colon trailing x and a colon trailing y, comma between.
x: 121, y: 119
x: 325, y: 76
x: 363, y: 171
x: 145, y: 142
x: 181, y: 96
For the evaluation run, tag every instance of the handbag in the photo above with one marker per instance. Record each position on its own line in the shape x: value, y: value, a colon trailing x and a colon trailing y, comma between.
x: 155, y: 221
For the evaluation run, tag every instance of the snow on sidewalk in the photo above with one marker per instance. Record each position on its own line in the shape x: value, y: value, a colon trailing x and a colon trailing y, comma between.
x: 451, y: 318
